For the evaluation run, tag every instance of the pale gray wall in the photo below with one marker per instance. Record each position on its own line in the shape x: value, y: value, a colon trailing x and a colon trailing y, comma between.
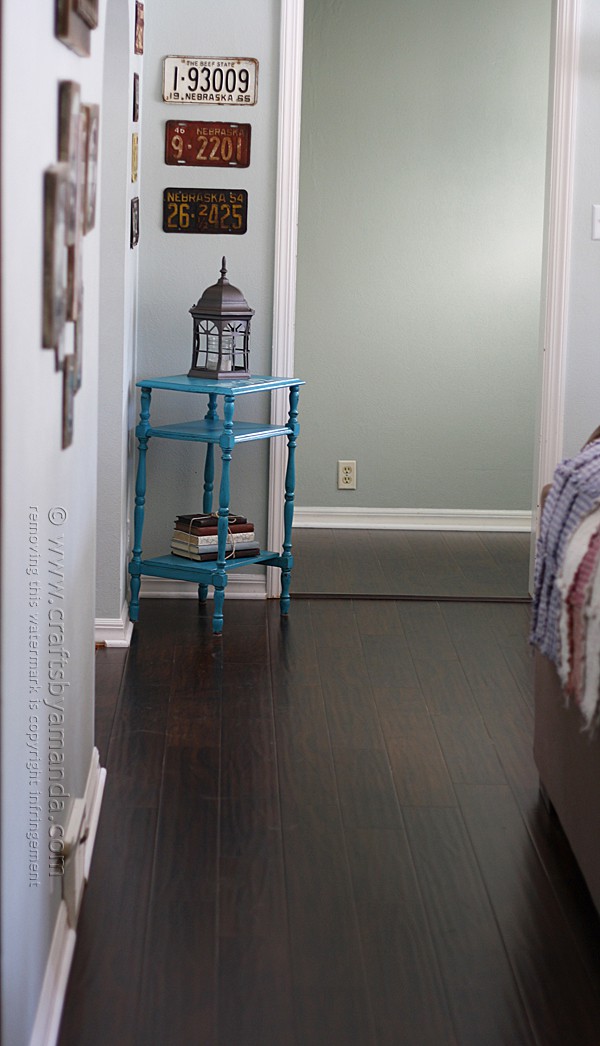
x: 176, y: 268
x: 36, y: 472
x: 420, y: 238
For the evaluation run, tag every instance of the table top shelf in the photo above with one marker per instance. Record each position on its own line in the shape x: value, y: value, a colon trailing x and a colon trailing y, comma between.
x: 210, y: 431
x: 222, y: 387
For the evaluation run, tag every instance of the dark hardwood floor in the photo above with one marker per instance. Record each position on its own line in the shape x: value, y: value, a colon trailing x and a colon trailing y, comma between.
x: 478, y: 565
x: 326, y: 831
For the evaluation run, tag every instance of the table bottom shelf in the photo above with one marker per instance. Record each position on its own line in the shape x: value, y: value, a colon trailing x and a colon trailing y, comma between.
x: 181, y: 569
x: 207, y: 573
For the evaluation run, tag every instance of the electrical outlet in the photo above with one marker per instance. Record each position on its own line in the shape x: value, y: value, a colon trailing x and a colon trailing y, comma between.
x: 346, y: 475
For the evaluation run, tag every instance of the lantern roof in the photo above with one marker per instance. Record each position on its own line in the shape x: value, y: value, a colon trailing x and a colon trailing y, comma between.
x: 222, y: 299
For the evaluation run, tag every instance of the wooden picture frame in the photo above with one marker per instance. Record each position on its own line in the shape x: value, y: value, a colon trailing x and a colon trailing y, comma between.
x: 134, y: 237
x: 71, y: 28
x: 54, y: 311
x: 68, y: 411
x: 75, y: 249
x: 134, y: 156
x: 69, y: 147
x: 136, y: 98
x: 92, y: 138
x: 139, y: 28
x: 78, y: 344
x: 88, y: 11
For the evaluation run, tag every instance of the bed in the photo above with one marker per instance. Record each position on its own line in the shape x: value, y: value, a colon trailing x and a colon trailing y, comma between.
x: 565, y: 733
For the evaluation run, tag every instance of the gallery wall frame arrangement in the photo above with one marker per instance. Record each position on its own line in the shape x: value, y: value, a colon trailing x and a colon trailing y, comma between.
x: 70, y: 188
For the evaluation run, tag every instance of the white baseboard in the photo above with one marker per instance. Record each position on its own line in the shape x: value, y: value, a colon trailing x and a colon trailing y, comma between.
x: 49, y: 1011
x: 114, y: 631
x: 47, y: 1020
x: 411, y: 519
x: 94, y: 792
x: 239, y: 586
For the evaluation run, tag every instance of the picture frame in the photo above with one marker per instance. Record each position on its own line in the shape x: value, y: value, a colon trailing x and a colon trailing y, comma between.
x: 92, y: 138
x: 71, y: 28
x: 68, y: 410
x: 75, y: 249
x: 134, y: 236
x: 87, y: 11
x: 54, y: 310
x: 139, y: 28
x: 134, y: 156
x: 136, y: 98
x: 69, y: 148
x: 78, y: 344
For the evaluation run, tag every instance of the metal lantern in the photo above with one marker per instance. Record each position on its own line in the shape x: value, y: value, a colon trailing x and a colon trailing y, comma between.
x: 221, y: 346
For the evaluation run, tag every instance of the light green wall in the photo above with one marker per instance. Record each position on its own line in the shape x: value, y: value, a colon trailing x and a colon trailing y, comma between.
x: 420, y: 239
x: 175, y: 269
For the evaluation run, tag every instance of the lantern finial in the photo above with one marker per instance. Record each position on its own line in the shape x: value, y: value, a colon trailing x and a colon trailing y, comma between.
x: 224, y: 269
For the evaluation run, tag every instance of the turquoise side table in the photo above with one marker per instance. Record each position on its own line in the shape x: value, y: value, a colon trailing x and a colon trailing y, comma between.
x: 222, y: 431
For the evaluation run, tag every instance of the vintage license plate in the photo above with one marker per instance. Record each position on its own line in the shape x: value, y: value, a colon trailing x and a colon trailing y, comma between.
x: 205, y: 210
x: 197, y: 143
x: 220, y: 81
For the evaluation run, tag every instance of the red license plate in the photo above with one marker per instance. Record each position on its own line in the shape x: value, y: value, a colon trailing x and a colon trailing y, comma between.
x: 199, y: 143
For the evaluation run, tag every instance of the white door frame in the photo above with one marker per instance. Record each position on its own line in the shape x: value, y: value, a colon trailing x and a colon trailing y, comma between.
x: 557, y: 236
x: 286, y: 245
x: 557, y: 244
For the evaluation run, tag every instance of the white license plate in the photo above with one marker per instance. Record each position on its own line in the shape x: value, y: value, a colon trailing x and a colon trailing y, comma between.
x: 220, y: 81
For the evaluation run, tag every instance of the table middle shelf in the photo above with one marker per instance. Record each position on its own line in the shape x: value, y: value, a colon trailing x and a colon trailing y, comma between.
x: 210, y: 430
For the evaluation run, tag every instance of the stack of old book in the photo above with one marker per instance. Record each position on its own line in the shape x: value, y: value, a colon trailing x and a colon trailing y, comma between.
x: 195, y: 537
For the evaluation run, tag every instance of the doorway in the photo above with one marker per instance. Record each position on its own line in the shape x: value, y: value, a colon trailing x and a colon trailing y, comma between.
x: 419, y: 262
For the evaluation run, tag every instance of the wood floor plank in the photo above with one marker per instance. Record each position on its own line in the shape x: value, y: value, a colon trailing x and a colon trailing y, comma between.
x: 317, y: 567
x: 365, y: 789
x: 377, y: 617
x: 110, y: 668
x: 469, y: 752
x: 410, y: 563
x: 255, y: 1004
x: 252, y: 897
x: 399, y: 562
x: 539, y: 942
x: 307, y: 781
x: 419, y: 770
x: 389, y: 661
x: 445, y: 687
x: 408, y: 1008
x: 352, y: 718
x: 331, y: 1002
x: 394, y: 702
x: 485, y: 1005
x: 248, y: 759
x: 426, y: 631
x: 106, y: 975
x: 180, y: 985
x: 359, y: 562
x: 513, y: 737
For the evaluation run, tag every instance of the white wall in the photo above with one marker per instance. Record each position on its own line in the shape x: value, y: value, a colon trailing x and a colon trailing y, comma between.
x: 36, y: 472
x: 118, y: 304
x: 176, y: 268
x: 582, y: 356
x: 420, y: 239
